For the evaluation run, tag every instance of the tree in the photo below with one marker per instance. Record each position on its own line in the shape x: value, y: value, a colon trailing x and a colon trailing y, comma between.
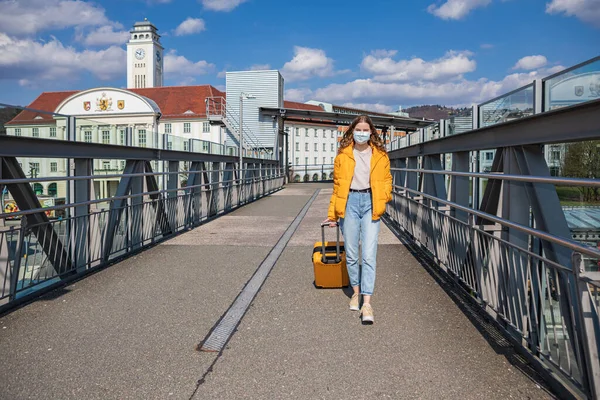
x: 582, y: 160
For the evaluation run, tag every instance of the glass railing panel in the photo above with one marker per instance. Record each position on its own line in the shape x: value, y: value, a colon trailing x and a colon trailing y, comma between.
x: 514, y: 105
x: 574, y: 85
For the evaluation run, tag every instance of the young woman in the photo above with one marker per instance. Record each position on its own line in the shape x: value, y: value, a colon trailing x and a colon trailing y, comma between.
x: 362, y: 185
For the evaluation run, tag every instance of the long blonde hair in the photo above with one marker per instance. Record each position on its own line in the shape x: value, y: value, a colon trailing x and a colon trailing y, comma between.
x: 348, y: 138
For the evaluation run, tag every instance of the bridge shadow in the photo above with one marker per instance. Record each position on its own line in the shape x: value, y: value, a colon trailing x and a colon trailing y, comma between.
x: 478, y: 317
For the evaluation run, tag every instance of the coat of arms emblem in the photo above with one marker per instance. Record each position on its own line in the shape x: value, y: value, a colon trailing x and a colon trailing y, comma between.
x: 595, y: 88
x: 120, y: 104
x: 87, y: 105
x: 579, y: 91
x: 104, y: 103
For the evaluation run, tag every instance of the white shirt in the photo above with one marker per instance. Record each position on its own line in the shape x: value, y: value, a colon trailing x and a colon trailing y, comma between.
x: 362, y: 170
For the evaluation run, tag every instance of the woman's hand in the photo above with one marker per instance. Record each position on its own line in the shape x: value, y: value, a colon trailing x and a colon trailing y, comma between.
x: 331, y: 222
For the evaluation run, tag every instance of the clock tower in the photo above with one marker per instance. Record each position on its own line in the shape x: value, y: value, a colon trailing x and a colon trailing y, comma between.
x: 144, y: 57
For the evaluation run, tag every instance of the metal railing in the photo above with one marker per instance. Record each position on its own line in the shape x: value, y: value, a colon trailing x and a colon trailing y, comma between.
x: 89, y: 231
x: 310, y: 172
x: 510, y: 249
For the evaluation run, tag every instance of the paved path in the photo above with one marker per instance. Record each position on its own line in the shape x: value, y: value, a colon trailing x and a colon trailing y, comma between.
x: 131, y: 330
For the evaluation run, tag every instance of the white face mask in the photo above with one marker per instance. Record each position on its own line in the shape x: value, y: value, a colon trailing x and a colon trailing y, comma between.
x: 361, y: 137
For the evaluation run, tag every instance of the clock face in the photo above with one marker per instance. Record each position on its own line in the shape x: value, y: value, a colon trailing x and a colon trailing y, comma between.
x: 140, y: 53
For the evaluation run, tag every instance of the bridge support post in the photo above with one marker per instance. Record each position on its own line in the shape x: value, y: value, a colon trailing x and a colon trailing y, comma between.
x: 227, y: 185
x: 83, y: 222
x: 173, y: 206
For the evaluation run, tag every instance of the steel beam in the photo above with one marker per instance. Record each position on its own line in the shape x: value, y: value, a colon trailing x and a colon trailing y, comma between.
x: 21, y: 146
x: 379, y: 120
x: 118, y: 207
x: 162, y: 220
x: 38, y: 222
x: 568, y: 124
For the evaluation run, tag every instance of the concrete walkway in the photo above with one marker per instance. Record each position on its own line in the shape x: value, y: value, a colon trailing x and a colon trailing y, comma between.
x: 131, y: 330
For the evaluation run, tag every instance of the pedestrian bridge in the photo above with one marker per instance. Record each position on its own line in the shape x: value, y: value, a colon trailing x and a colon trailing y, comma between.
x: 205, y: 290
x: 131, y: 331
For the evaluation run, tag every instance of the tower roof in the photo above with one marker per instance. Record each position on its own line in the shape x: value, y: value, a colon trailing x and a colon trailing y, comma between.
x: 145, y: 22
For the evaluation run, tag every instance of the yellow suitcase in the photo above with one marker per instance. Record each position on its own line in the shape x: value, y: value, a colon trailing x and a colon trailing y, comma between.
x: 329, y: 261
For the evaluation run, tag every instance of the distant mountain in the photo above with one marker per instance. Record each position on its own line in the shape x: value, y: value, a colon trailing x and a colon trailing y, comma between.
x: 6, y: 114
x: 435, y: 112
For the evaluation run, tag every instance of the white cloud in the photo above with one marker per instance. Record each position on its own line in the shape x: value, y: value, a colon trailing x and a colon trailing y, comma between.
x: 260, y: 67
x: 221, y: 5
x: 531, y: 62
x: 555, y: 69
x: 456, y: 9
x: 307, y: 63
x: 376, y: 107
x: 457, y: 92
x: 300, y: 95
x: 179, y: 67
x: 32, y: 16
x: 104, y: 36
x: 486, y: 46
x: 586, y: 10
x: 26, y: 60
x: 190, y: 26
x: 452, y: 65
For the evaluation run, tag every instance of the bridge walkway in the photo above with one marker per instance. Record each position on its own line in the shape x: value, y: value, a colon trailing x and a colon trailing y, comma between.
x: 131, y: 331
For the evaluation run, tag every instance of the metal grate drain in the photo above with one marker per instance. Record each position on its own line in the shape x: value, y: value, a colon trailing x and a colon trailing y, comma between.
x: 224, y: 329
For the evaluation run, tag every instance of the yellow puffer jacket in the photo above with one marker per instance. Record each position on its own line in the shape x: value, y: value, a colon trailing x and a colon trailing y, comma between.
x: 343, y: 171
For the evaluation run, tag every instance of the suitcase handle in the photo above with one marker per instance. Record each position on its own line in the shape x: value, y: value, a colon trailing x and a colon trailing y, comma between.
x: 337, y: 243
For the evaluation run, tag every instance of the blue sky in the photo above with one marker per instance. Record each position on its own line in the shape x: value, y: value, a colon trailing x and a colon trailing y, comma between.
x: 376, y: 55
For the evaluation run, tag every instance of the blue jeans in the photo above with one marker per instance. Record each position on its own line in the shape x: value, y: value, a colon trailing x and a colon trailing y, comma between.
x: 358, y: 226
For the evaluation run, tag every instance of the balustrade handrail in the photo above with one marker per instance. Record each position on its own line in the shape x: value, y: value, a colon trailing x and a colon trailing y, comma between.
x: 566, y: 181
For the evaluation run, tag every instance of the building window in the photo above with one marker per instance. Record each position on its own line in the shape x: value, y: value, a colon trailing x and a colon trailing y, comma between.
x: 315, y: 160
x: 297, y: 131
x: 106, y: 137
x: 167, y: 128
x: 105, y: 165
x: 306, y: 132
x: 332, y: 147
x: 297, y: 160
x: 35, y: 132
x: 324, y: 133
x: 53, y: 167
x: 186, y: 127
x: 297, y: 146
x: 206, y: 127
x: 324, y: 146
x: 122, y: 165
x: 306, y: 160
x: 316, y: 132
x: 17, y: 131
x: 316, y: 146
x: 142, y: 138
x: 185, y: 145
x: 34, y: 167
x: 489, y: 156
x: 169, y: 145
x: 205, y: 147
x: 122, y: 137
x: 323, y: 160
x: 52, y: 189
x: 38, y: 189
x: 52, y: 132
x: 331, y: 160
x: 555, y: 156
x: 332, y: 133
x: 87, y: 136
